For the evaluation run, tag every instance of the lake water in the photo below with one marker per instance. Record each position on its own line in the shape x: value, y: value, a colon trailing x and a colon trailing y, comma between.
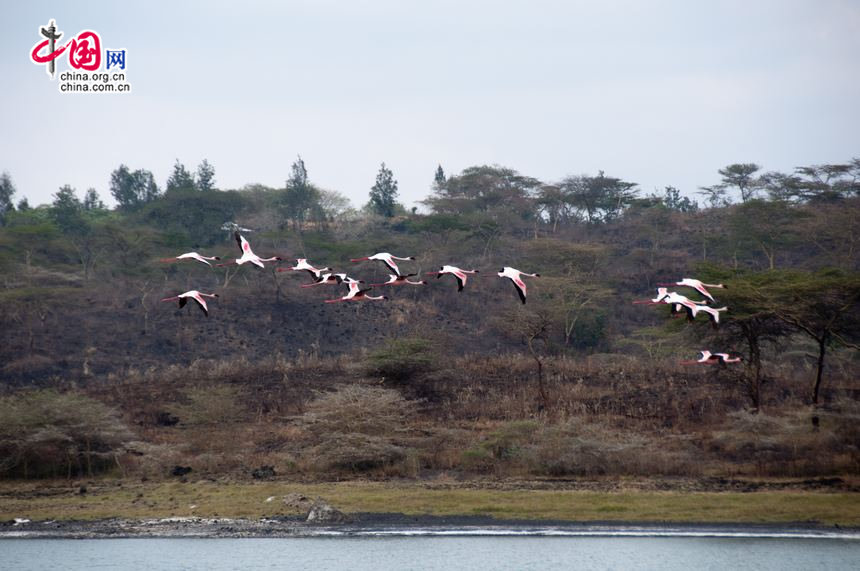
x: 432, y: 552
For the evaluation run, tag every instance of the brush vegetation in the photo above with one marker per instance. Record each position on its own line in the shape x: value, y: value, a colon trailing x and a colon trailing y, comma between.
x: 98, y: 378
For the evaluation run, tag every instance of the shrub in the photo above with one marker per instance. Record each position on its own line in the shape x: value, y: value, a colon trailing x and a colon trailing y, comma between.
x: 355, y: 427
x: 402, y: 359
x: 46, y: 433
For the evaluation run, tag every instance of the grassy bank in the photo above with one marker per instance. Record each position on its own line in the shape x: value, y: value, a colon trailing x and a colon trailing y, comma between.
x: 146, y: 500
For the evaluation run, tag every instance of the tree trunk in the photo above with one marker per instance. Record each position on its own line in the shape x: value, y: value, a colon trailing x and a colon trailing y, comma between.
x: 541, y: 389
x: 753, y: 373
x: 822, y: 348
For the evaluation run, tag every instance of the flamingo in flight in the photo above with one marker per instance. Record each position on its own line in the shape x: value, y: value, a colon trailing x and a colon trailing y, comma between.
x: 713, y: 313
x: 675, y: 300
x: 516, y: 278
x: 461, y: 275
x: 709, y: 358
x: 386, y: 258
x: 326, y: 279
x: 196, y: 296
x: 192, y: 256
x: 400, y: 280
x: 302, y: 264
x: 248, y: 255
x: 696, y: 285
x: 357, y: 294
x: 666, y: 296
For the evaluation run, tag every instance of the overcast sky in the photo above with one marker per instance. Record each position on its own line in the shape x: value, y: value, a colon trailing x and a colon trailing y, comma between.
x: 659, y: 93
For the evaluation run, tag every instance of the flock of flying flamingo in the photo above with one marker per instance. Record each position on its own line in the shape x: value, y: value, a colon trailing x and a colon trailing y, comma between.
x: 692, y: 308
x: 324, y: 276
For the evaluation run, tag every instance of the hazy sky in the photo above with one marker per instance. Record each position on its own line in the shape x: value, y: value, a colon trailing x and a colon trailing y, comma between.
x: 659, y: 93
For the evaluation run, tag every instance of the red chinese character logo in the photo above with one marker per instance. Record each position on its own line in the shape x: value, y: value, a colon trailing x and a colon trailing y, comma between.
x: 84, y: 56
x: 85, y: 50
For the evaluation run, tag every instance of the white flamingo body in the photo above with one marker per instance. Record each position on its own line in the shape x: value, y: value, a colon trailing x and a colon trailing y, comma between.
x: 516, y: 277
x: 303, y: 265
x: 697, y: 285
x: 400, y: 280
x: 192, y: 256
x: 356, y: 293
x: 460, y: 274
x: 708, y: 358
x: 248, y: 255
x: 333, y: 279
x: 195, y: 295
x: 713, y: 312
x: 386, y: 258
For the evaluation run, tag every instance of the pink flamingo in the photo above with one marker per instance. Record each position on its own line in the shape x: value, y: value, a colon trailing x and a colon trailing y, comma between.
x: 516, y: 277
x: 696, y: 285
x: 192, y: 256
x: 248, y: 255
x: 400, y: 280
x: 461, y: 275
x: 326, y: 279
x: 709, y: 358
x: 357, y: 294
x: 196, y: 296
x: 713, y: 313
x: 302, y: 264
x: 386, y: 258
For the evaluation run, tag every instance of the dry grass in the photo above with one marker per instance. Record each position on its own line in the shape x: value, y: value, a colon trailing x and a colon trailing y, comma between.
x: 118, y: 499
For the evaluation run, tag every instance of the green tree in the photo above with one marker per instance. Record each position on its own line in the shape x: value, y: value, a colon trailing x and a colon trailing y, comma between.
x: 766, y: 226
x: 132, y: 189
x: 23, y: 204
x: 92, y: 201
x: 180, y: 179
x: 741, y: 176
x: 600, y: 198
x: 67, y: 211
x: 749, y: 320
x: 383, y: 194
x: 205, y: 176
x: 825, y: 305
x: 673, y: 200
x: 301, y: 198
x: 439, y: 178
x: 716, y: 195
x: 492, y: 194
x: 828, y: 183
x: 7, y: 190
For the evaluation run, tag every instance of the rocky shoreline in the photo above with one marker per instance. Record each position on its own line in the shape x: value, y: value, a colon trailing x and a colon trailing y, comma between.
x: 392, y: 524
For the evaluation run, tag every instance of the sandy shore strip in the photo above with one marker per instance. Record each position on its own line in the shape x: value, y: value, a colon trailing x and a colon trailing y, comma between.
x: 388, y: 525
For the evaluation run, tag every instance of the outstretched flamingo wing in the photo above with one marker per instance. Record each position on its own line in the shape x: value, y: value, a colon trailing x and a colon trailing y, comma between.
x: 202, y: 303
x: 183, y: 301
x: 702, y: 290
x: 391, y: 265
x: 520, y: 286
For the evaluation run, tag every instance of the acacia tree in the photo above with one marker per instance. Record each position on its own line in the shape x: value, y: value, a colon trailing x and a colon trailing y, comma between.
x: 601, y: 198
x: 766, y: 226
x: 825, y: 305
x: 741, y: 176
x: 750, y: 319
x: 383, y: 194
x: 494, y: 191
